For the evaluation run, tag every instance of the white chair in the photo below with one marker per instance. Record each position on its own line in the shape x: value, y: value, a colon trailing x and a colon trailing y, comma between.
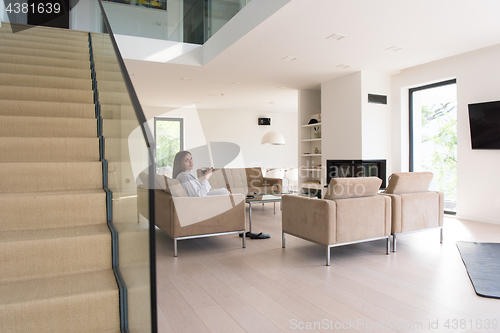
x: 292, y: 179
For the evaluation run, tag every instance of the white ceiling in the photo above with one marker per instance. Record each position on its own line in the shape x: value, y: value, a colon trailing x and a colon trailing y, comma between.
x: 426, y: 30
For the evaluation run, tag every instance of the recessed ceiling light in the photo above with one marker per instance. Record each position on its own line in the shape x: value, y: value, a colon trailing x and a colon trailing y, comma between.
x: 186, y: 78
x: 213, y: 94
x: 393, y: 48
x: 237, y: 83
x: 342, y: 66
x: 282, y: 87
x: 290, y: 58
x: 335, y: 37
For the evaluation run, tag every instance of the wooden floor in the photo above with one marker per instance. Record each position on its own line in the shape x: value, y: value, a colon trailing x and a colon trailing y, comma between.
x: 216, y: 286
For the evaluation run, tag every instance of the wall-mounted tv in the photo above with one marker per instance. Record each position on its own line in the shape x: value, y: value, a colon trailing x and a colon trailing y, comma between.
x: 484, y: 121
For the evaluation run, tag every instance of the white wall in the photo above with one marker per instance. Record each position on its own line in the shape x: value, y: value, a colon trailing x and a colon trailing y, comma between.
x: 376, y: 118
x: 239, y: 127
x: 478, y: 79
x: 341, y: 118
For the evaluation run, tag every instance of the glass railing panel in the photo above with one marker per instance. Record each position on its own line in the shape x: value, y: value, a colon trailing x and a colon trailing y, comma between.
x: 127, y: 153
x: 219, y: 12
x: 188, y: 21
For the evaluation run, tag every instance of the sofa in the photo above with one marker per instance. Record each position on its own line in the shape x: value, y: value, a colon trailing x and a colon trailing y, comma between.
x: 243, y: 180
x: 351, y: 212
x: 414, y: 207
x: 183, y: 217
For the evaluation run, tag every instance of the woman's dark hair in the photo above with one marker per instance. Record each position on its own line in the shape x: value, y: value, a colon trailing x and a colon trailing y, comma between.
x: 179, y: 158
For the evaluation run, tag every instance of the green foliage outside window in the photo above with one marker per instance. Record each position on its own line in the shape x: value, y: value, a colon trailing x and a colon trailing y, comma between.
x: 439, y: 126
x: 168, y: 142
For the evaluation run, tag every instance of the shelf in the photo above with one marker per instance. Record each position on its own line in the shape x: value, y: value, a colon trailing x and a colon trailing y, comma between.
x: 311, y: 125
x: 311, y: 155
x: 316, y: 139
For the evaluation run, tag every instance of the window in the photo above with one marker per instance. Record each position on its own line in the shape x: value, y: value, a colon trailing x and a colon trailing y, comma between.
x: 433, y: 137
x: 169, y: 141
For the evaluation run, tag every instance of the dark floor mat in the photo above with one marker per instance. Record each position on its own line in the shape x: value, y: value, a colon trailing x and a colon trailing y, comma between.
x: 482, y: 261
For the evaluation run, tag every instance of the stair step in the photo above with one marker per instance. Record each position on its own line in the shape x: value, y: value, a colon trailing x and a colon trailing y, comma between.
x: 109, y: 111
x: 12, y: 126
x: 46, y: 94
x: 45, y: 53
x: 43, y: 149
x: 113, y: 97
x: 18, y: 177
x: 80, y: 303
x: 115, y: 128
x: 116, y: 86
x: 138, y: 288
x: 51, y: 40
x: 38, y: 61
x: 46, y: 109
x: 98, y: 58
x: 75, y: 73
x: 23, y: 253
x: 103, y: 66
x: 131, y: 234
x: 55, y: 209
x: 20, y: 80
x: 20, y: 29
x: 44, y: 46
x: 103, y: 75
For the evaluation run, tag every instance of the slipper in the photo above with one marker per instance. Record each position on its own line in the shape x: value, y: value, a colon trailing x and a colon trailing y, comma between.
x: 260, y: 235
x: 246, y: 233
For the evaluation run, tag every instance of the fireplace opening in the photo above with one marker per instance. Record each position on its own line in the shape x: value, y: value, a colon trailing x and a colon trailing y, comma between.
x: 356, y: 168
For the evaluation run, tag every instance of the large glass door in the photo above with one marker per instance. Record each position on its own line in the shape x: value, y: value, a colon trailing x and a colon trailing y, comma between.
x: 169, y: 141
x: 433, y: 137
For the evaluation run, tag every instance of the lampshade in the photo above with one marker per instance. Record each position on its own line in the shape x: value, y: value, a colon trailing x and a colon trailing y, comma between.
x: 273, y: 138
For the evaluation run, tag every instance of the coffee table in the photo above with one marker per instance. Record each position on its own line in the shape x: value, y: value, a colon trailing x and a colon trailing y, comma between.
x: 263, y: 198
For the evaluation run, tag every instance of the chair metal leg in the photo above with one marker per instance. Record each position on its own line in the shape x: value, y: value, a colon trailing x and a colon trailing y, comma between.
x: 394, y: 243
x: 441, y: 235
x: 244, y: 240
x: 328, y: 255
x: 175, y: 247
x: 388, y: 245
x: 282, y: 239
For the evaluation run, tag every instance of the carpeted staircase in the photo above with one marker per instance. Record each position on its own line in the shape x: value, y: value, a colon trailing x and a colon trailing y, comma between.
x: 55, y: 246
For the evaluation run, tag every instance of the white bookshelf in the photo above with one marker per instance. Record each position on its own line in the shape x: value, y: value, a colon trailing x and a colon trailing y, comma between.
x: 310, y: 162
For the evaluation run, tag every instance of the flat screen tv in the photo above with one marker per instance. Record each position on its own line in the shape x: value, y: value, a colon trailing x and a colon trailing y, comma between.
x: 484, y: 121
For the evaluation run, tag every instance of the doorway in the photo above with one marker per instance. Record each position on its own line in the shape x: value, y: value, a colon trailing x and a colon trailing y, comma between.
x: 433, y: 137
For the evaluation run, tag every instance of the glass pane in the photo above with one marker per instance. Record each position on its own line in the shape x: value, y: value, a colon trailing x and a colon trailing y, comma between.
x: 168, y: 143
x: 127, y: 154
x: 435, y: 139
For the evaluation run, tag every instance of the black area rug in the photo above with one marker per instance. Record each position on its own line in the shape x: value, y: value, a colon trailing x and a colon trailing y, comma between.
x: 482, y: 261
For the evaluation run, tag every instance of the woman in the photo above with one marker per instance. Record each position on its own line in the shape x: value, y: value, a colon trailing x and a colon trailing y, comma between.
x: 183, y: 164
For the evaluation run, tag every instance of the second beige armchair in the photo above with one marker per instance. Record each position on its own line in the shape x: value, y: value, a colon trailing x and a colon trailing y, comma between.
x: 351, y: 212
x: 414, y: 207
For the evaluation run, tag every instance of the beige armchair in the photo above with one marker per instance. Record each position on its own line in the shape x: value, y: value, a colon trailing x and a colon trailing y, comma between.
x: 414, y: 207
x: 351, y: 212
x: 183, y: 217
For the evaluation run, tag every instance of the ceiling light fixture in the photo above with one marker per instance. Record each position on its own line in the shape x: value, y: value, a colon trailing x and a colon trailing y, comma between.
x: 343, y: 66
x: 237, y: 83
x: 273, y: 137
x: 335, y: 37
x: 282, y: 87
x: 393, y: 48
x: 290, y: 58
x: 185, y: 78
